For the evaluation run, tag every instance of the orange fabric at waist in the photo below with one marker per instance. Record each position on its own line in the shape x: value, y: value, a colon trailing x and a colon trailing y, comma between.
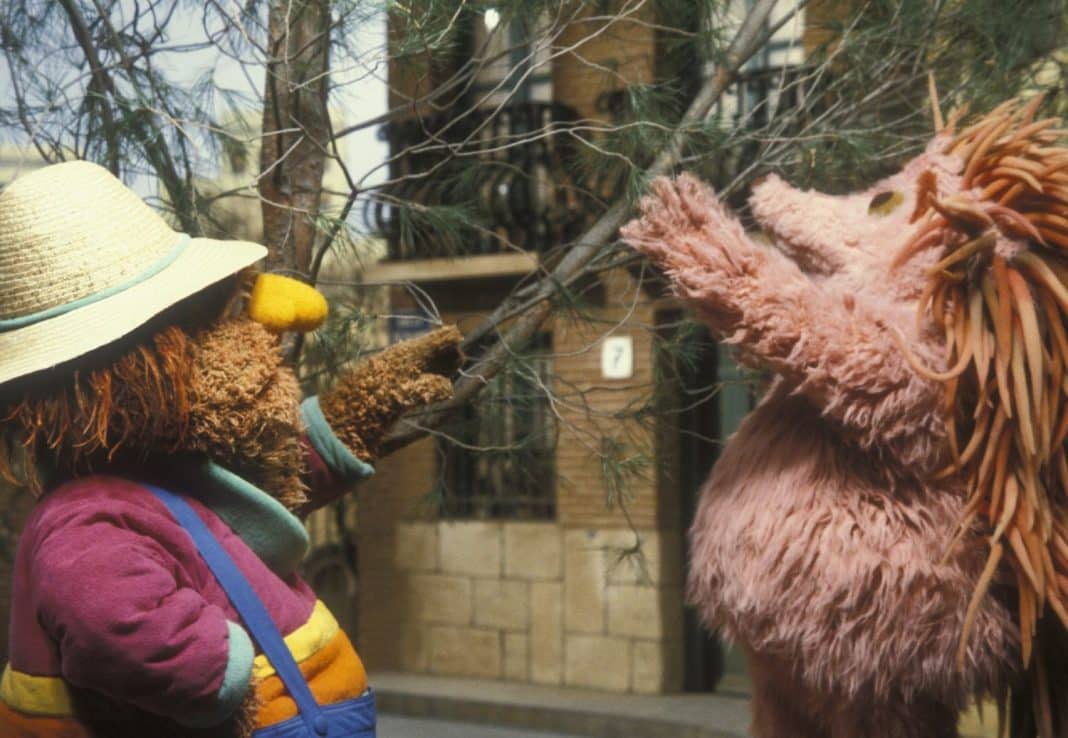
x: 14, y: 724
x: 334, y: 673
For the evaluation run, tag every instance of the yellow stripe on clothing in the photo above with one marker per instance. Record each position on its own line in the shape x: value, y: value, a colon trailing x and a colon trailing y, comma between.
x: 49, y: 696
x: 35, y: 695
x: 303, y: 642
x: 334, y: 674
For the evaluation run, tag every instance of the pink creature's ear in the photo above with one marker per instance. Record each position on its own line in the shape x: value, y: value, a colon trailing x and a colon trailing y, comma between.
x: 815, y: 230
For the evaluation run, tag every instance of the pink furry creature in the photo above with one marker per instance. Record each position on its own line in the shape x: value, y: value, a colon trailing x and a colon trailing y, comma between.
x: 885, y: 534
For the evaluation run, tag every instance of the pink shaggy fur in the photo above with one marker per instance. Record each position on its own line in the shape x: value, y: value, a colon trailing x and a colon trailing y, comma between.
x: 819, y: 539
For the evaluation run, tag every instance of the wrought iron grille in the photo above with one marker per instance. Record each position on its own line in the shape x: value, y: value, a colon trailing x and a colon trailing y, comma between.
x: 506, y: 168
x: 760, y: 95
x: 500, y: 461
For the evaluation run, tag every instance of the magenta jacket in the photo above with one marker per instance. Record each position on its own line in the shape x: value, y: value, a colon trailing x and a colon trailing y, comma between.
x: 110, y: 594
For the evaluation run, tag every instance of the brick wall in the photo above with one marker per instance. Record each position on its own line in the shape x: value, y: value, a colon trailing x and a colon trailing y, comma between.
x: 394, y: 493
x: 822, y: 19
x: 594, y: 406
x: 609, y: 59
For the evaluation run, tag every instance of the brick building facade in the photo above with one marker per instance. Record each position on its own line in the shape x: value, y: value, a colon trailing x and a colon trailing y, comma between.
x: 555, y: 601
x: 549, y: 601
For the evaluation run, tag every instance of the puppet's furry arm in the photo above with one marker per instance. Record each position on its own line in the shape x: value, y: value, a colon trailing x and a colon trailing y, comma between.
x: 833, y: 348
x: 365, y: 402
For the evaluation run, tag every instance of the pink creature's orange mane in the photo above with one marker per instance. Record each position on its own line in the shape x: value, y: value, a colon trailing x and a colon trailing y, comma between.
x: 999, y: 292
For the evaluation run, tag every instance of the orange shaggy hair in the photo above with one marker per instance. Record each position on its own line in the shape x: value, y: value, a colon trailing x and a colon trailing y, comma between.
x: 121, y: 403
x: 1000, y: 292
x: 101, y: 414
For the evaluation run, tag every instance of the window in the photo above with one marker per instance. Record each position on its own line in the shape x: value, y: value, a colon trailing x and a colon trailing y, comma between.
x: 498, y: 460
x: 514, y: 58
x: 772, y: 82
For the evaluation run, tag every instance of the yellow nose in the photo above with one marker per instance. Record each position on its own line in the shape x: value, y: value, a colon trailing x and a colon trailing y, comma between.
x: 284, y: 304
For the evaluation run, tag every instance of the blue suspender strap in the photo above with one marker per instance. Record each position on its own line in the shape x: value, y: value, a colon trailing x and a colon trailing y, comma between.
x: 249, y: 607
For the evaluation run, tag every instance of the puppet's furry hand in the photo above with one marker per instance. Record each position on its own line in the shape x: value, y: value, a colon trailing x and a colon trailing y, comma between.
x: 686, y: 230
x: 365, y: 403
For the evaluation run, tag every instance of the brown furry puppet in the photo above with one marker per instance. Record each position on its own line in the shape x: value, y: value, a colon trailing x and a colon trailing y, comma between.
x: 131, y: 376
x: 887, y: 533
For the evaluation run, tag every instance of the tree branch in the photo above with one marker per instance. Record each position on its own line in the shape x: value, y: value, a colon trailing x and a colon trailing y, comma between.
x: 295, y: 95
x: 746, y: 42
x: 150, y: 137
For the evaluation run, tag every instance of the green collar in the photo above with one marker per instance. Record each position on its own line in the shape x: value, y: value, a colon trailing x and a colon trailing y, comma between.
x: 270, y: 530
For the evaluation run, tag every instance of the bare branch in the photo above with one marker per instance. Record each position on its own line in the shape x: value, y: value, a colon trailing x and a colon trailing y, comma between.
x: 746, y: 42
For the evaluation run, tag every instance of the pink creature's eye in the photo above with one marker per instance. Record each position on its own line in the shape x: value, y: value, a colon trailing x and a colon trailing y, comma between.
x: 885, y: 203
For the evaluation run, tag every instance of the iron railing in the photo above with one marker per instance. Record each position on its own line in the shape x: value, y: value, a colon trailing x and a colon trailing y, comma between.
x: 499, y: 179
x: 499, y: 457
x: 761, y: 95
x: 503, y: 171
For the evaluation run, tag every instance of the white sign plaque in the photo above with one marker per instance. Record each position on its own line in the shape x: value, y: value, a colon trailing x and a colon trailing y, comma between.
x: 617, y: 357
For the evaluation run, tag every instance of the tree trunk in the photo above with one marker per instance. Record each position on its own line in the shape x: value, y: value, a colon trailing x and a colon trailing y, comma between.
x: 296, y: 130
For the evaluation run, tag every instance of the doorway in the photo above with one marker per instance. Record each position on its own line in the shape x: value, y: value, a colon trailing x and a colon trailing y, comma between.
x: 715, y: 398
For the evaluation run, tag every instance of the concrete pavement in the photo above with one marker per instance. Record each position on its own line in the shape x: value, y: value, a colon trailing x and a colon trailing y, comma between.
x: 475, y: 708
x: 391, y: 726
x: 569, y: 711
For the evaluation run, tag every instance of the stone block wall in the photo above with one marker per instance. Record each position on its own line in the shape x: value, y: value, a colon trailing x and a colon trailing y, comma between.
x: 539, y: 603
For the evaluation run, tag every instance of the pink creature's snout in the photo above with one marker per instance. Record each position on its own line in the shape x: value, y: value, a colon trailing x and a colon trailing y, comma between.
x: 805, y: 225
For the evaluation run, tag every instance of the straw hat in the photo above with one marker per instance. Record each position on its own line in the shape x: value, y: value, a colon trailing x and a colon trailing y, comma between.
x: 84, y: 261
